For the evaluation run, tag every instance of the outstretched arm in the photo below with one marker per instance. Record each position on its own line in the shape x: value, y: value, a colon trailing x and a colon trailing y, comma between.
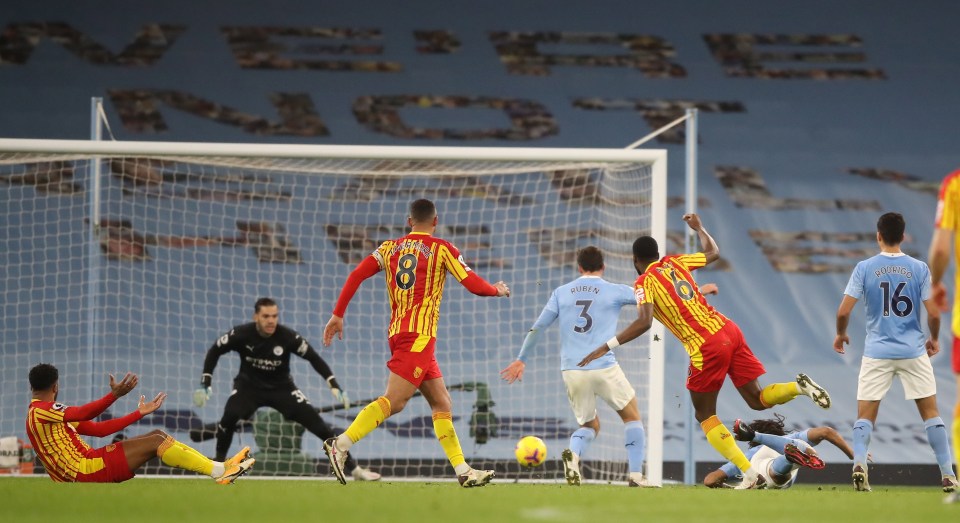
x: 708, y: 246
x: 95, y: 408
x: 634, y: 330
x: 365, y: 269
x: 818, y: 434
x: 105, y: 428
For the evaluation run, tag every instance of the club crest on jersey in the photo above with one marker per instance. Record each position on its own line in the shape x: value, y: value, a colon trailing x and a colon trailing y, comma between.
x: 278, y: 350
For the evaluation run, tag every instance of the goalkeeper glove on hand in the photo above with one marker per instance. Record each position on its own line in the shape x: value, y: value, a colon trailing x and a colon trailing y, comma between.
x: 338, y: 394
x: 341, y: 396
x: 201, y: 395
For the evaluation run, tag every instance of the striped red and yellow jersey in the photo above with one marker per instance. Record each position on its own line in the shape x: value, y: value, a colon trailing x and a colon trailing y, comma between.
x: 678, y: 303
x: 948, y: 218
x: 415, y: 267
x: 57, y: 443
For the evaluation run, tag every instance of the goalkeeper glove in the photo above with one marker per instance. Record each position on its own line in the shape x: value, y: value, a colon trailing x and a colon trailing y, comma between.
x: 201, y: 395
x: 338, y: 394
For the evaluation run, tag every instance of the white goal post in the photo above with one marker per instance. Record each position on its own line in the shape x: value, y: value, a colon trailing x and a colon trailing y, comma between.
x: 136, y: 256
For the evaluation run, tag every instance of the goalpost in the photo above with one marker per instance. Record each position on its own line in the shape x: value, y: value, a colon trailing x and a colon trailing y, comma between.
x: 137, y: 256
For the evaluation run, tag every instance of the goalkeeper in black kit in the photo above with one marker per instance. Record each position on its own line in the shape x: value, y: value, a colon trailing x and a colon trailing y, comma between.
x: 264, y: 379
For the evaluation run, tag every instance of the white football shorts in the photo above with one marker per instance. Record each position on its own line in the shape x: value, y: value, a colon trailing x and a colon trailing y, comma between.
x: 876, y: 376
x: 583, y: 387
x: 762, y: 461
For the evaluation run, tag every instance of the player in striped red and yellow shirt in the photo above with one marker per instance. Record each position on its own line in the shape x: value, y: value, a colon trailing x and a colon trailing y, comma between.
x: 415, y: 268
x: 54, y: 430
x: 666, y: 290
x: 945, y: 238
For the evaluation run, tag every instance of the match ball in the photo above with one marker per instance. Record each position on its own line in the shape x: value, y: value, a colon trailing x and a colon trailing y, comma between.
x: 531, y: 451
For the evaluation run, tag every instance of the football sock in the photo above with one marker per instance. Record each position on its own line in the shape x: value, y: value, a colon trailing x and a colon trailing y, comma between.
x: 779, y: 393
x: 937, y: 437
x: 581, y: 439
x: 862, y: 430
x: 370, y: 418
x: 447, y: 435
x: 782, y: 466
x: 176, y: 454
x: 724, y: 443
x: 636, y: 444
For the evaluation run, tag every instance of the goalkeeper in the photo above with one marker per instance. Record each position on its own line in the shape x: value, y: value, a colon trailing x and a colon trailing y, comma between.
x: 264, y: 379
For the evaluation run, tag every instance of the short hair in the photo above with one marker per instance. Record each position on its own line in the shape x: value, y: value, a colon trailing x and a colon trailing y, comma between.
x: 263, y: 302
x: 891, y: 226
x: 590, y: 259
x: 422, y: 210
x: 43, y: 377
x: 646, y: 248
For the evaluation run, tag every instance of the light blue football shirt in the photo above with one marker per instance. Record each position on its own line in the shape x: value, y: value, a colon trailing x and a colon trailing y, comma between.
x: 588, y: 309
x: 893, y: 288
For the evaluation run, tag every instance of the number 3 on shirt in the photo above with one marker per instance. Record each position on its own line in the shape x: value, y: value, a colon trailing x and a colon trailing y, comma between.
x: 406, y: 275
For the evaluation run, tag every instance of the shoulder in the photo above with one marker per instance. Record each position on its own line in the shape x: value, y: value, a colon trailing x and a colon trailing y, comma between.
x: 287, y: 334
x: 950, y: 182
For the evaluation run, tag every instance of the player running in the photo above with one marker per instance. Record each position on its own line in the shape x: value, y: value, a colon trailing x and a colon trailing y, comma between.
x: 415, y: 267
x: 54, y: 430
x: 666, y: 290
x: 588, y: 309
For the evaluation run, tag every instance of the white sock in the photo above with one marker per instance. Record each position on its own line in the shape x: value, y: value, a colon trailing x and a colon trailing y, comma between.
x: 462, y: 469
x: 218, y: 470
x: 344, y: 442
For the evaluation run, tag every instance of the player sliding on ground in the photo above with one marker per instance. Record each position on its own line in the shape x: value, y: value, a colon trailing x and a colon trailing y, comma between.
x: 55, y: 430
x: 666, y: 290
x: 415, y: 267
x: 778, y: 454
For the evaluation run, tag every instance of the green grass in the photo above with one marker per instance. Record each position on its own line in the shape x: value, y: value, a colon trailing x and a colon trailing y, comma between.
x: 24, y: 500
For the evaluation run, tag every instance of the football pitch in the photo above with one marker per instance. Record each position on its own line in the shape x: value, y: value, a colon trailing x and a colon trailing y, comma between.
x: 187, y: 500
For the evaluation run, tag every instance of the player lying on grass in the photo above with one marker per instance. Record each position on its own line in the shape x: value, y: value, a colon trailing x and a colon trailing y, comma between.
x: 55, y: 430
x: 777, y: 454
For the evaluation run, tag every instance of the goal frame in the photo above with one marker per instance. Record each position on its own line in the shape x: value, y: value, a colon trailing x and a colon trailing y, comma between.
x: 657, y: 158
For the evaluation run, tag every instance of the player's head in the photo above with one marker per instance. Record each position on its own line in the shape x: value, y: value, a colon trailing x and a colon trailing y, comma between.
x: 44, y: 377
x: 590, y: 259
x: 890, y: 228
x: 266, y: 314
x: 423, y: 213
x: 645, y: 252
x: 773, y: 426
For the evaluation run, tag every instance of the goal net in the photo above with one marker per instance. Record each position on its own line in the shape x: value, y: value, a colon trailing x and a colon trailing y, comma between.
x: 136, y: 256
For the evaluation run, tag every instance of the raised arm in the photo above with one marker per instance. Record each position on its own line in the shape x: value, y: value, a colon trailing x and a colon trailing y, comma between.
x: 708, y: 246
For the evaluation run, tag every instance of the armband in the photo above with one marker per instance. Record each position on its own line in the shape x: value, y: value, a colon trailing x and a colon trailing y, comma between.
x: 613, y: 343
